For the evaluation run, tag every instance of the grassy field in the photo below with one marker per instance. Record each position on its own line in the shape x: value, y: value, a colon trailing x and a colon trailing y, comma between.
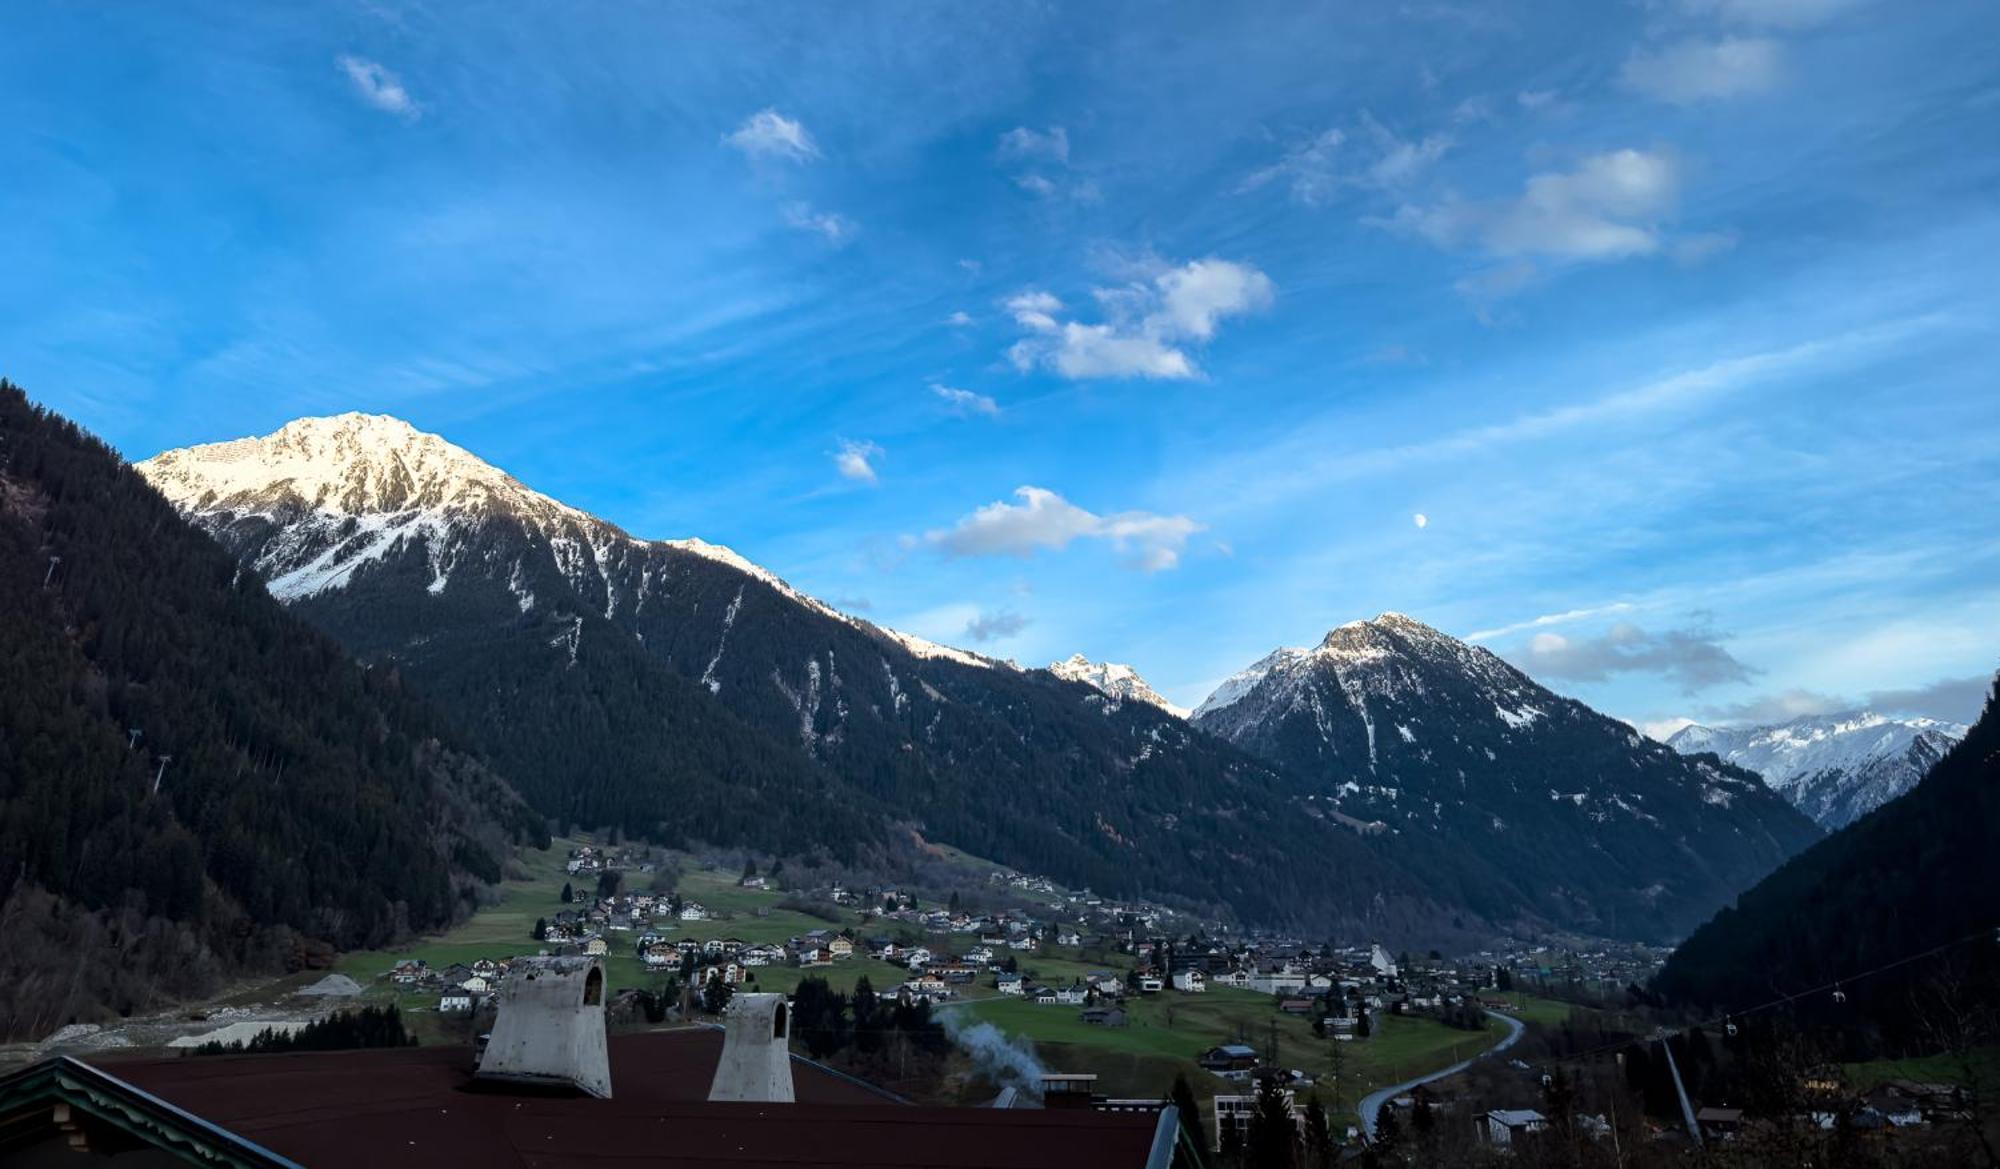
x: 1531, y: 1009
x: 1167, y: 1032
x: 1981, y: 1068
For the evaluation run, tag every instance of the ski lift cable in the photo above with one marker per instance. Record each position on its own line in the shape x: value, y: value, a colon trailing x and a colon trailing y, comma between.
x: 1840, y: 995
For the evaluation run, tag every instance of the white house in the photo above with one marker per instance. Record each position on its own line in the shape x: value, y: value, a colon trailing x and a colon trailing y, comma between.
x: 1190, y: 981
x: 1010, y: 983
x: 454, y: 1002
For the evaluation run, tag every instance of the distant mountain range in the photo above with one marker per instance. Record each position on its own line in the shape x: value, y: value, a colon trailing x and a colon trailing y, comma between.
x: 192, y: 780
x: 1835, y: 768
x: 1897, y: 912
x: 675, y: 689
x: 1531, y: 801
x: 1392, y: 779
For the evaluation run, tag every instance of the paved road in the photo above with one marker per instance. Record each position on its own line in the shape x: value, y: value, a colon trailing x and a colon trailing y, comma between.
x: 1371, y: 1104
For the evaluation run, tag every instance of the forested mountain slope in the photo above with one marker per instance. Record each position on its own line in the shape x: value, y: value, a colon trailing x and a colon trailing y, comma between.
x: 192, y: 779
x: 1918, y: 873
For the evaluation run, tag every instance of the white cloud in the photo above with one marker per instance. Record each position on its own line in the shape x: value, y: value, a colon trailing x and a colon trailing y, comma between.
x: 1044, y: 520
x: 1605, y: 209
x: 965, y: 401
x: 852, y: 460
x: 1022, y: 144
x: 835, y: 228
x: 1696, y: 70
x: 770, y: 134
x: 1535, y: 99
x: 1771, y: 13
x: 1661, y: 729
x: 1421, y: 520
x: 377, y: 86
x: 1147, y: 321
x: 959, y: 319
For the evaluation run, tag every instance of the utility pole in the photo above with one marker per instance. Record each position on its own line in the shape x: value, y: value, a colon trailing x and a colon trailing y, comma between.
x: 1680, y: 1090
x: 162, y: 773
x: 132, y: 741
x: 51, y: 573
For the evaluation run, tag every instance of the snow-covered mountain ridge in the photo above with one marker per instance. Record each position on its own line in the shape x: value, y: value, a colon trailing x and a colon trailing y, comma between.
x: 1113, y: 679
x: 1835, y: 768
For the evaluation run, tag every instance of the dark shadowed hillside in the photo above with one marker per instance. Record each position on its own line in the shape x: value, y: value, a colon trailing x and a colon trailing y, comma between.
x: 191, y: 779
x: 1921, y: 872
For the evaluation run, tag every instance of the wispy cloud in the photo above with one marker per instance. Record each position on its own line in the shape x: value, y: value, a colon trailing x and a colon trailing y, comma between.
x: 1045, y: 521
x: 855, y: 460
x: 1548, y: 619
x: 831, y: 226
x: 1951, y: 699
x: 966, y: 401
x: 996, y: 626
x: 1788, y: 14
x: 1691, y: 71
x: 1148, y: 324
x: 1317, y: 169
x: 378, y: 87
x: 1039, y: 163
x: 1022, y: 144
x: 1693, y: 658
x: 770, y: 134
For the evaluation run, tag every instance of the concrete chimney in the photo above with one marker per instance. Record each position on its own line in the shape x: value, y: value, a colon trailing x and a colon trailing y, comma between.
x: 550, y: 1027
x: 756, y: 1053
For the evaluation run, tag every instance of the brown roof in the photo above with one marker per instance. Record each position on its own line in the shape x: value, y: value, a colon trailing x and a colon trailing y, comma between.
x: 417, y: 1107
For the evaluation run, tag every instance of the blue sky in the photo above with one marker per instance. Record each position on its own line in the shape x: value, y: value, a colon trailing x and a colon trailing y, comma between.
x: 1143, y: 330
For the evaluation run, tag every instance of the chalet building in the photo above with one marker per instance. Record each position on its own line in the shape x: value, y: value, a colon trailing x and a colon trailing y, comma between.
x: 1502, y: 1125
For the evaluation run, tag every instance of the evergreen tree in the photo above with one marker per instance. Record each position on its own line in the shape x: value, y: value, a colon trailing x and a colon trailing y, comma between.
x: 568, y: 893
x: 1319, y: 1135
x: 1273, y: 1139
x: 1184, y: 1102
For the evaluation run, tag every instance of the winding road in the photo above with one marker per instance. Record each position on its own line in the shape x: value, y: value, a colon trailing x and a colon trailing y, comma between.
x: 1371, y: 1104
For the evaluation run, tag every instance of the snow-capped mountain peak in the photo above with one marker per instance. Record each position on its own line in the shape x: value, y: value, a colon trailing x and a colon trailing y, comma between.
x: 1833, y: 767
x: 1118, y: 681
x: 348, y: 464
x: 1391, y: 726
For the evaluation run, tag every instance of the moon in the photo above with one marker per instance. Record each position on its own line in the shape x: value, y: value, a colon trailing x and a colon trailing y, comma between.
x: 1421, y: 520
